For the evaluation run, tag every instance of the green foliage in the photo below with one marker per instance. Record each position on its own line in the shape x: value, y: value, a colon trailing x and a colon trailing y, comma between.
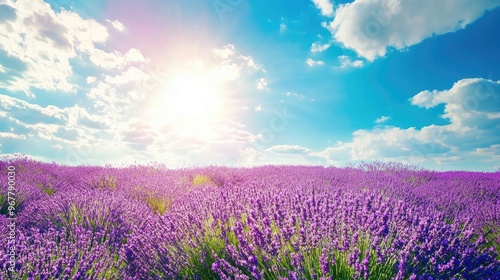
x: 48, y: 189
x: 491, y: 235
x: 200, y: 257
x: 159, y: 204
x: 114, y: 272
x: 199, y: 180
x: 416, y: 181
x: 137, y: 192
x: 217, y: 235
x: 76, y: 216
x: 107, y: 182
x: 4, y: 204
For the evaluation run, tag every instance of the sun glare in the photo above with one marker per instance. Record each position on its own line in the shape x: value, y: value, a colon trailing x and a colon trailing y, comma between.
x: 190, y: 95
x: 189, y: 98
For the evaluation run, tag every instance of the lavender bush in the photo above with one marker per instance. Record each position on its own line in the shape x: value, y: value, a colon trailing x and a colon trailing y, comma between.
x: 372, y: 221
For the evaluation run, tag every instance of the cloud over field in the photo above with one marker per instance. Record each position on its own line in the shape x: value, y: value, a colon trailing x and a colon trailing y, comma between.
x: 472, y: 107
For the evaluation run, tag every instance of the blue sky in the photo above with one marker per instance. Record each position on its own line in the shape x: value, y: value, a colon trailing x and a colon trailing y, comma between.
x: 242, y: 83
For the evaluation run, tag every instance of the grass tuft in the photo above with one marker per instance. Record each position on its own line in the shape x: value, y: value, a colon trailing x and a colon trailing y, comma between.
x: 107, y: 182
x: 159, y: 204
x: 4, y: 204
x: 48, y: 189
x: 199, y: 180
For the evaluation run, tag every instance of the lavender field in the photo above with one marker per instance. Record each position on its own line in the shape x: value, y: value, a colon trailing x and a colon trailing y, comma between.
x: 372, y: 221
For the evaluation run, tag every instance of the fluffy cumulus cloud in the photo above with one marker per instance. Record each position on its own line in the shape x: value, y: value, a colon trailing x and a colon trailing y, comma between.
x: 325, y: 7
x: 215, y: 142
x: 12, y: 135
x: 339, y: 153
x: 117, y: 25
x: 318, y: 47
x: 225, y: 52
x: 231, y: 63
x: 37, y: 45
x: 382, y: 119
x: 472, y: 107
x: 289, y: 155
x: 372, y: 27
x: 492, y: 152
x: 262, y: 84
x: 346, y: 62
x: 289, y: 149
x: 469, y: 105
x: 313, y: 63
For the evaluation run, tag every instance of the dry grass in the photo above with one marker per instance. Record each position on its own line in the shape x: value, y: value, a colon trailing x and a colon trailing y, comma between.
x: 199, y: 180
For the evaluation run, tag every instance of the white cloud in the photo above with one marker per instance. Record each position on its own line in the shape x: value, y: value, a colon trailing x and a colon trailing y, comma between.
x: 108, y: 60
x: 65, y: 132
x: 45, y: 41
x: 38, y: 38
x: 492, y: 152
x: 289, y: 149
x: 135, y: 55
x: 325, y: 7
x: 225, y: 52
x: 91, y: 79
x: 318, y: 47
x: 115, y: 59
x: 12, y: 135
x: 372, y: 27
x: 340, y: 153
x: 471, y: 106
x: 262, y: 84
x: 282, y: 28
x: 232, y: 63
x: 385, y: 142
x: 382, y: 119
x: 294, y: 94
x: 117, y: 25
x: 57, y: 146
x: 346, y: 62
x: 250, y: 63
x: 19, y: 110
x: 258, y: 108
x: 312, y: 63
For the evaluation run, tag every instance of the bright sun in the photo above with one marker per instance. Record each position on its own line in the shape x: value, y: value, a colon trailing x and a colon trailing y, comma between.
x: 189, y: 98
x: 190, y: 95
